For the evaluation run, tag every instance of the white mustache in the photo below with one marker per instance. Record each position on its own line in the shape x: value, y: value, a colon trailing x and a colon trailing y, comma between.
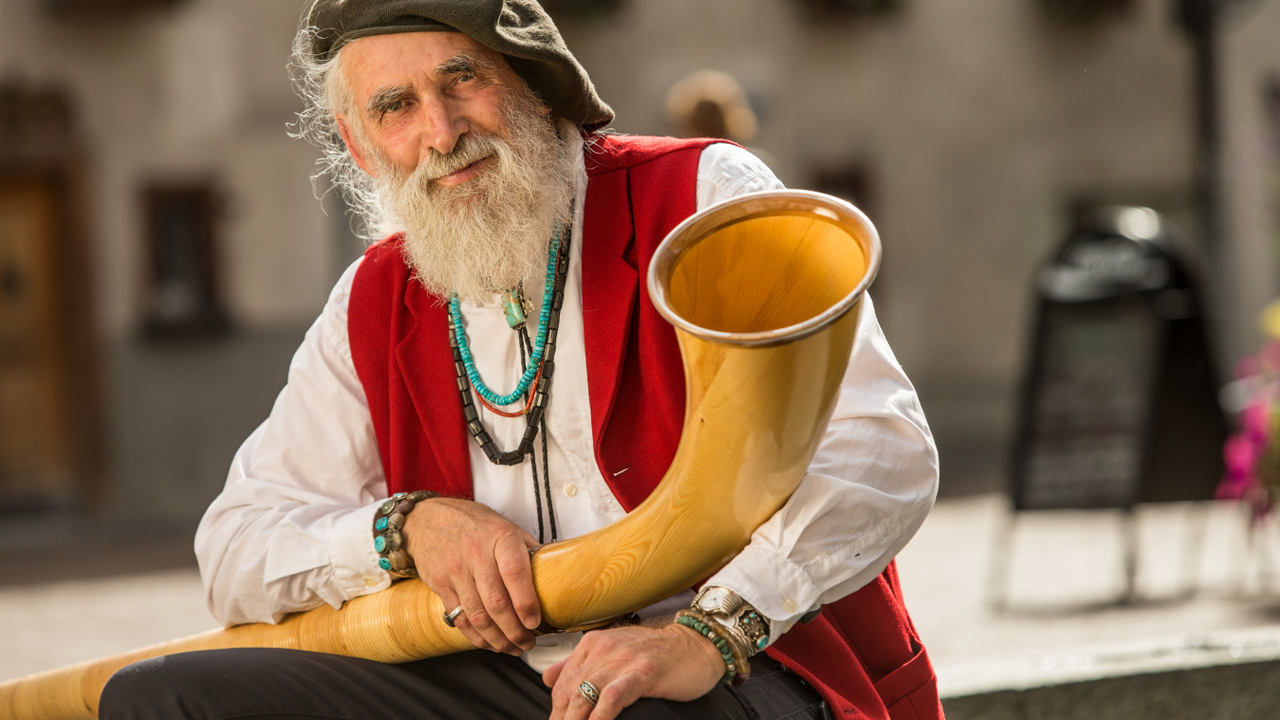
x: 470, y: 149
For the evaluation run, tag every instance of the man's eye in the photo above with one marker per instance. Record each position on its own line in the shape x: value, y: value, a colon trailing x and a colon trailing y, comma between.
x: 466, y: 77
x: 388, y: 107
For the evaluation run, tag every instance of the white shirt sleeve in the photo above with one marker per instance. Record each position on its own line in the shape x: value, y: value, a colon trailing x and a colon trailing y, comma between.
x: 292, y: 528
x: 871, y: 482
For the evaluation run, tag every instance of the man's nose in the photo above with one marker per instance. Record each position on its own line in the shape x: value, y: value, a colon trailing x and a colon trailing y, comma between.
x: 443, y: 124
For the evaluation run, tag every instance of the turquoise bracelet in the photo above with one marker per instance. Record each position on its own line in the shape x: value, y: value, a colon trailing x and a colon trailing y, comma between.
x: 735, y: 664
x: 388, y: 540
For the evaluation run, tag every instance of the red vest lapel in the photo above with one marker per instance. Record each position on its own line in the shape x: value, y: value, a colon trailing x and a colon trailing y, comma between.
x: 608, y: 289
x: 639, y: 189
x: 400, y: 350
x: 426, y: 364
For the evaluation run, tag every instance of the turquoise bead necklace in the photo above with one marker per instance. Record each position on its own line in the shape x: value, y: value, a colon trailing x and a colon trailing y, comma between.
x: 537, y: 371
x: 513, y: 307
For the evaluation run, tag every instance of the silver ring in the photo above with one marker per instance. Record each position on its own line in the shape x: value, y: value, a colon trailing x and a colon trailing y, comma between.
x: 452, y: 615
x: 589, y: 691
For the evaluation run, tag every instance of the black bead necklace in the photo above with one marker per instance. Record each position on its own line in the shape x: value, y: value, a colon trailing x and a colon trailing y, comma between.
x: 541, y: 389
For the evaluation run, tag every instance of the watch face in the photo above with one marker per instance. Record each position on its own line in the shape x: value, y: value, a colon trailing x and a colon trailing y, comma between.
x: 718, y: 600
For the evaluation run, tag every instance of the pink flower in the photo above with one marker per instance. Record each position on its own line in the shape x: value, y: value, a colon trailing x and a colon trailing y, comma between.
x: 1230, y: 489
x: 1255, y: 421
x: 1240, y: 454
x: 1247, y: 456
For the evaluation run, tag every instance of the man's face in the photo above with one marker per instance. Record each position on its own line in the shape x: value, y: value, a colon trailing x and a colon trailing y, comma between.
x: 467, y: 161
x: 415, y: 94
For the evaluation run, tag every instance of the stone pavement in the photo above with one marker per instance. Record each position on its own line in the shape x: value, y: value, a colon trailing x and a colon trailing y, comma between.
x: 1061, y: 621
x: 1199, y: 588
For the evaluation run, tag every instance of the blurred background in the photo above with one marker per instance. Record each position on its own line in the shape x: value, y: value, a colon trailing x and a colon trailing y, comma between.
x: 1080, y: 208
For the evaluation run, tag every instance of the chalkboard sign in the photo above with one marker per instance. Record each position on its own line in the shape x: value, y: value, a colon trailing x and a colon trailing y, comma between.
x: 1088, y: 419
x: 1119, y: 401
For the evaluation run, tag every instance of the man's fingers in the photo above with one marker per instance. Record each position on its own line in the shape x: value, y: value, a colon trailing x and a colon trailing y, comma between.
x: 470, y: 633
x: 517, y: 576
x: 474, y: 637
x: 613, y: 696
x: 484, y: 559
x: 449, y: 600
x: 475, y: 617
x: 499, y: 617
x: 626, y: 664
x: 618, y: 695
x: 579, y: 707
x: 563, y: 687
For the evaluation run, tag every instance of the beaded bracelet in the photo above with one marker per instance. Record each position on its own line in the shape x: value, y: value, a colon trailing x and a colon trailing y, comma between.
x: 735, y: 662
x: 741, y: 652
x: 388, y: 540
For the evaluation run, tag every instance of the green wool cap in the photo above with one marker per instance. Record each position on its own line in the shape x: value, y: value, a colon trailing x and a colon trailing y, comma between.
x: 519, y: 29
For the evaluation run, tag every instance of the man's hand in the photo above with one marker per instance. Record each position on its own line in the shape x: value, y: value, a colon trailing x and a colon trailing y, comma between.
x: 471, y: 556
x: 625, y: 664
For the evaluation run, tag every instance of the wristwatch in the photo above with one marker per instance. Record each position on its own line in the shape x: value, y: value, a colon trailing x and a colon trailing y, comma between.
x: 742, y: 620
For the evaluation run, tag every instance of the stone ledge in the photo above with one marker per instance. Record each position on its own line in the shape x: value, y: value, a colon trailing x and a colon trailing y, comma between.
x: 1230, y: 674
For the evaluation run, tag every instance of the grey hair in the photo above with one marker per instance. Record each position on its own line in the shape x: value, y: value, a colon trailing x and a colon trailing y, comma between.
x: 325, y: 94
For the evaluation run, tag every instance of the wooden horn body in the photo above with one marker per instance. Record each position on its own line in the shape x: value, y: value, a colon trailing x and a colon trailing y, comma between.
x: 764, y: 293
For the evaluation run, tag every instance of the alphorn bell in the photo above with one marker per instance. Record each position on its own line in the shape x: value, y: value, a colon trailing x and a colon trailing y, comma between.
x: 764, y: 292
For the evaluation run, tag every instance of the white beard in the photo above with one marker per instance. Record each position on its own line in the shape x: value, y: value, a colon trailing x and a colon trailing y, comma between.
x: 489, y: 234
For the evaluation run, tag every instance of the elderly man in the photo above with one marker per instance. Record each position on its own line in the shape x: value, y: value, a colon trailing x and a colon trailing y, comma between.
x: 468, y: 133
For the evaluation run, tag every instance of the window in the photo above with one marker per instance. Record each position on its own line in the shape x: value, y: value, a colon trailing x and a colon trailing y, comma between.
x: 182, y: 291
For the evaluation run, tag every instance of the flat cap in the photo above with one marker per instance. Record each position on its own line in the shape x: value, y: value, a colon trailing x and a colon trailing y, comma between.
x: 519, y: 29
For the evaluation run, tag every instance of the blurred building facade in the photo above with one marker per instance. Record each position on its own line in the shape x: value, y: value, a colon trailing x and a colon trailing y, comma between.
x: 969, y: 131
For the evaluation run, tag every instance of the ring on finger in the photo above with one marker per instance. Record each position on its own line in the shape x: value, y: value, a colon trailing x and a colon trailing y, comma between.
x: 589, y: 691
x: 452, y: 615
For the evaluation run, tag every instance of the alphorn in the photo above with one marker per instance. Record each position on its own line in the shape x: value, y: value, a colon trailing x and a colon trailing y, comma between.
x: 764, y: 292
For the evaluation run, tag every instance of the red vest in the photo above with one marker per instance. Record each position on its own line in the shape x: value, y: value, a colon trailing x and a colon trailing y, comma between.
x: 862, y: 653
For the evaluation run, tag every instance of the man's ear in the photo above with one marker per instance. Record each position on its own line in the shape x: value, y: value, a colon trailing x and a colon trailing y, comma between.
x: 357, y: 154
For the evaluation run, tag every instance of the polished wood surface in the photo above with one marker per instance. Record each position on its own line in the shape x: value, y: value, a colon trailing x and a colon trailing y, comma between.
x: 765, y: 299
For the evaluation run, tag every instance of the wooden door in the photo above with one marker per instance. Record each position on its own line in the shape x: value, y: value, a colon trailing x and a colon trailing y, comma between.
x: 37, y: 463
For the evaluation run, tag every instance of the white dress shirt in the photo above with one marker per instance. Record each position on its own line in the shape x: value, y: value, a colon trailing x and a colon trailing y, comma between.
x: 292, y: 528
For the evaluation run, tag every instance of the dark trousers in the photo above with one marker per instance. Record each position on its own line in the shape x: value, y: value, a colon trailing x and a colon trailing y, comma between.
x: 272, y: 683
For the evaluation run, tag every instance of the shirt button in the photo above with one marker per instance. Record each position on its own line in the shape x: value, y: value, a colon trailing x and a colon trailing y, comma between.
x: 370, y: 582
x: 789, y: 605
x: 570, y: 489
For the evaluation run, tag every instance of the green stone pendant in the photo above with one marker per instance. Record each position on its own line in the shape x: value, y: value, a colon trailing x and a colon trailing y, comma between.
x: 513, y: 306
